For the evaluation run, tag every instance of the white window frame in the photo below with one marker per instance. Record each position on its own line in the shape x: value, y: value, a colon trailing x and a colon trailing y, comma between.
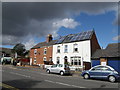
x: 45, y: 51
x: 77, y: 60
x: 35, y: 51
x: 58, y: 60
x: 44, y: 59
x: 75, y: 46
x: 66, y: 49
x: 58, y: 49
x: 35, y: 61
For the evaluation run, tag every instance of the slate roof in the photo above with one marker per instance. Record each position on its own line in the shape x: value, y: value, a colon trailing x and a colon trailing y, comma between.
x: 43, y: 44
x: 110, y: 51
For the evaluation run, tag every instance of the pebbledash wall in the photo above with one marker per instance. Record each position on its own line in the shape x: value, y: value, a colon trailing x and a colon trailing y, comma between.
x: 83, y: 54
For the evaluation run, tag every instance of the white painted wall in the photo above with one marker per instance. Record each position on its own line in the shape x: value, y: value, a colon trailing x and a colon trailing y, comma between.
x: 83, y: 48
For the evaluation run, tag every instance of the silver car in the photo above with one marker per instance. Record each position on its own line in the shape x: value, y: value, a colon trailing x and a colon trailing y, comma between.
x: 59, y: 68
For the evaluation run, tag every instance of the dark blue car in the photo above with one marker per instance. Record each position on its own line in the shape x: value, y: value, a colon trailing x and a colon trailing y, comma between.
x: 101, y: 72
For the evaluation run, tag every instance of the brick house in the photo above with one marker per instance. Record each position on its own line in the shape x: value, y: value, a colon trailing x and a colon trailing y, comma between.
x: 76, y: 49
x: 41, y: 53
x: 108, y: 56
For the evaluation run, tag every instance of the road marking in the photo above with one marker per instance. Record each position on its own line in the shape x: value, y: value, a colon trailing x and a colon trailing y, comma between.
x: 8, y: 86
x: 64, y: 84
x: 20, y: 74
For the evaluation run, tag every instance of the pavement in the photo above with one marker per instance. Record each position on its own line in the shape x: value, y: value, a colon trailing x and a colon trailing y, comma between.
x: 28, y: 77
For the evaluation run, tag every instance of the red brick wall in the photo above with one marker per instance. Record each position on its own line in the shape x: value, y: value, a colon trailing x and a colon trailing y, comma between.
x: 40, y: 54
x: 94, y: 44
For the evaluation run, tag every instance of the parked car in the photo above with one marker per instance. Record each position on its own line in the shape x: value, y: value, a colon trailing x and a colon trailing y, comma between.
x: 101, y: 72
x: 59, y: 68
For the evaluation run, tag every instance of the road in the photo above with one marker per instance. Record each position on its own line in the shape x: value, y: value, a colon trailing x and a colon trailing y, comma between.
x: 24, y: 77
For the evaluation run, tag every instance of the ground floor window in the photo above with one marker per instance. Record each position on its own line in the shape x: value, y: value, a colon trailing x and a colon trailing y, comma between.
x: 58, y: 60
x: 34, y: 60
x: 75, y: 60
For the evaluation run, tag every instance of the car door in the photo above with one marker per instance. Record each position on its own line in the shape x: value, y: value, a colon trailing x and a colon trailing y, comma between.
x: 53, y: 68
x: 106, y: 71
x: 96, y: 72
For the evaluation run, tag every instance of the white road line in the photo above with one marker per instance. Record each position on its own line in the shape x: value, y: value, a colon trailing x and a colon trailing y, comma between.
x: 20, y: 74
x: 64, y: 84
x: 47, y: 80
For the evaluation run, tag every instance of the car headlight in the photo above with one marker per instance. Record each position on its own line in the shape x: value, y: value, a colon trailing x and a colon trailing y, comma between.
x: 115, y: 72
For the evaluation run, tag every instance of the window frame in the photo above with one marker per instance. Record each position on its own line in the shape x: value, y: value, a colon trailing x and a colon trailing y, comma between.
x: 75, y: 47
x: 58, y: 49
x: 35, y: 61
x: 65, y: 48
x: 45, y: 51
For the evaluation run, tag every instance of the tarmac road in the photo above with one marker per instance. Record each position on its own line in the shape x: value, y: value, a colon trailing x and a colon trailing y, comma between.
x: 26, y: 77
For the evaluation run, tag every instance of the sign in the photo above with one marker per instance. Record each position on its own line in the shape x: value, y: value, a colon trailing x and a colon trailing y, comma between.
x: 103, y: 63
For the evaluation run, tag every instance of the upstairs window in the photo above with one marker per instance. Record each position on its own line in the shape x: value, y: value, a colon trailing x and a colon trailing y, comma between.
x: 66, y: 48
x: 35, y: 52
x: 75, y: 48
x: 58, y: 49
x: 45, y: 51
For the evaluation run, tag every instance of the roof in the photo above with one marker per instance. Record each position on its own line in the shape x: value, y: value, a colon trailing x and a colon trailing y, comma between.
x: 5, y: 50
x: 75, y: 37
x: 67, y: 39
x: 43, y: 44
x: 110, y: 51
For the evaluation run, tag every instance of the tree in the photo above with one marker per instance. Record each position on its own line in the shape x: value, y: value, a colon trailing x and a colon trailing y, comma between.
x: 19, y: 49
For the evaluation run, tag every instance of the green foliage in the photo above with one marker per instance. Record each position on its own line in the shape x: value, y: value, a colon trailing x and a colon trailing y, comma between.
x: 20, y: 49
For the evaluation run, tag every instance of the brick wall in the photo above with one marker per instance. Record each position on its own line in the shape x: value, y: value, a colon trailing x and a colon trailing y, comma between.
x: 40, y: 55
x: 94, y: 44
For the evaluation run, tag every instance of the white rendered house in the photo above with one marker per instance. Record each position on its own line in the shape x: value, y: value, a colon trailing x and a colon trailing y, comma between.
x: 76, y: 49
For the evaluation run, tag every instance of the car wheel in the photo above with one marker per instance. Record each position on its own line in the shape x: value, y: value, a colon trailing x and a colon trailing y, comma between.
x: 61, y: 73
x: 48, y: 71
x: 86, y: 76
x: 112, y: 78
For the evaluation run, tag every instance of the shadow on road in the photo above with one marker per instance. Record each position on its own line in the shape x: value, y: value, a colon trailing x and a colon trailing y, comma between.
x: 22, y: 83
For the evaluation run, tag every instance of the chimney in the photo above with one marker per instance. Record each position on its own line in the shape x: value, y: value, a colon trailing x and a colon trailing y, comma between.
x: 49, y: 38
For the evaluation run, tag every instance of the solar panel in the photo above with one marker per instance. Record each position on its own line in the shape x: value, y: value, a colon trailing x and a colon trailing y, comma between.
x: 68, y: 38
x: 75, y: 37
x: 60, y: 40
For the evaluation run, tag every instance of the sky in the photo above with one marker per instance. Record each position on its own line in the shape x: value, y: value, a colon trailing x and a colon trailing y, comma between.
x: 30, y: 22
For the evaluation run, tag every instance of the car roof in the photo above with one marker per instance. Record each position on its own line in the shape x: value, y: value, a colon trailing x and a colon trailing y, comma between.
x: 104, y: 66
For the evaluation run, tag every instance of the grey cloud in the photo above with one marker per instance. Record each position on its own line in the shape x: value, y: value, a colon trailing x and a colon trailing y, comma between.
x: 23, y: 19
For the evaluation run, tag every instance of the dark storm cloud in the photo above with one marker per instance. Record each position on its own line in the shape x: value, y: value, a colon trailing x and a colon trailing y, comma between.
x: 35, y: 19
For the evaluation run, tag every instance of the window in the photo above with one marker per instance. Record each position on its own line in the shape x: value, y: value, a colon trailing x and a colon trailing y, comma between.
x: 60, y: 65
x: 44, y: 59
x: 35, y: 51
x: 53, y: 66
x: 58, y: 49
x: 34, y: 60
x: 75, y: 48
x: 66, y: 48
x: 58, y: 60
x: 75, y: 60
x: 45, y: 51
